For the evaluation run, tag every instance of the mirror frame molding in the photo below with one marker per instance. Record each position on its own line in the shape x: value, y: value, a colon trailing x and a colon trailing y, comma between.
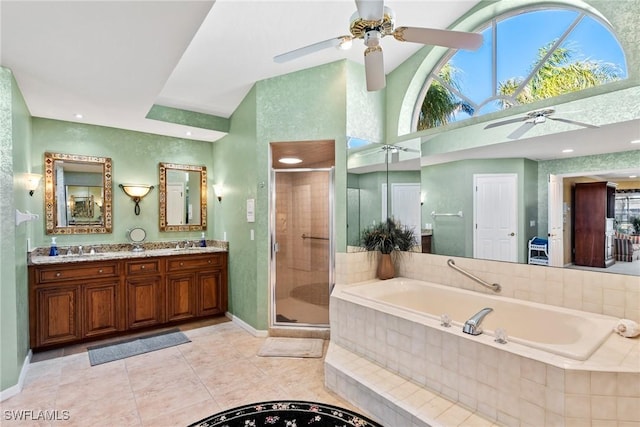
x: 163, y: 167
x: 50, y: 200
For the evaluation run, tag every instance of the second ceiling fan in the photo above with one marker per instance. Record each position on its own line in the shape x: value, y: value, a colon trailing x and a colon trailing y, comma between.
x: 533, y: 118
x: 373, y: 21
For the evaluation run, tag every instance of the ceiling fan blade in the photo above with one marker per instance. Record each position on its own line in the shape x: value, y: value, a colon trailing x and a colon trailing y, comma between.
x: 521, y: 130
x: 374, y: 68
x: 504, y: 122
x: 370, y: 10
x: 446, y: 38
x: 312, y: 48
x: 573, y: 122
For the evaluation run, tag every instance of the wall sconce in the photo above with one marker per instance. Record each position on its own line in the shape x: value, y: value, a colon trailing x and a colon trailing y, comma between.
x: 33, y: 181
x: 217, y: 189
x: 136, y: 192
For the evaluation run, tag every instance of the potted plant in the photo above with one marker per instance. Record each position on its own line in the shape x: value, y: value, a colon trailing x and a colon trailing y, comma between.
x: 387, y: 237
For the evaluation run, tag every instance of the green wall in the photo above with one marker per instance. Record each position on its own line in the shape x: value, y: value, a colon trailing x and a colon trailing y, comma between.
x: 135, y: 157
x: 235, y: 167
x: 370, y: 185
x: 302, y: 106
x: 15, y: 138
x: 448, y: 188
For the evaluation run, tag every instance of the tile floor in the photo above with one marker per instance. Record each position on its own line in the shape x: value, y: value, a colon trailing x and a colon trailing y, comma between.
x: 176, y: 386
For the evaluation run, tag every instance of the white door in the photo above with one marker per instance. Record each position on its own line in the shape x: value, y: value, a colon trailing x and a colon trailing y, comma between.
x: 495, y: 217
x: 556, y: 249
x: 405, y: 205
x: 175, y: 204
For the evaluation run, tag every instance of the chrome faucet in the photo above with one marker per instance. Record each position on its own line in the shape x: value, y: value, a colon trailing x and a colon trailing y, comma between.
x: 473, y: 325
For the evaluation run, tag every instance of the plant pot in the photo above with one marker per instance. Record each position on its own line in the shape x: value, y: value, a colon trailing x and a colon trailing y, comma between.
x: 386, y: 269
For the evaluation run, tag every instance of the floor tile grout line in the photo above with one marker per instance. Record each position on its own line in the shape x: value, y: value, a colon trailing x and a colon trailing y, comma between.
x: 199, y: 378
x: 126, y: 367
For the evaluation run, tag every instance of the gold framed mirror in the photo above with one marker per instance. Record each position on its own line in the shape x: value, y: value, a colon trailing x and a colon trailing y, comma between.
x: 78, y: 193
x: 183, y: 197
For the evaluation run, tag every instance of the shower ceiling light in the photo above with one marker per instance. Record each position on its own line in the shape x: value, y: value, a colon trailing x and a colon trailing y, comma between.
x: 290, y: 160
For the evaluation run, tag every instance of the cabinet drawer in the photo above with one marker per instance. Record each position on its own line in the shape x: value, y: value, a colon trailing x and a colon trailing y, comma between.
x: 183, y: 263
x: 53, y: 274
x: 143, y: 267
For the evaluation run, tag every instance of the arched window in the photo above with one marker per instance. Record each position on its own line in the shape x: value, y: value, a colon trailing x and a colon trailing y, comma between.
x: 526, y: 56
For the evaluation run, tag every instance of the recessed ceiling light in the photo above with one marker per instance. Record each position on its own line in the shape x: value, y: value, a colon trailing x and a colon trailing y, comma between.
x: 188, y: 133
x: 568, y: 150
x: 290, y: 160
x: 78, y: 116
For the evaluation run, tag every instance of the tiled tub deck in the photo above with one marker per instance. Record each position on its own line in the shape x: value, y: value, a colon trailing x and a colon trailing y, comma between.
x: 391, y: 362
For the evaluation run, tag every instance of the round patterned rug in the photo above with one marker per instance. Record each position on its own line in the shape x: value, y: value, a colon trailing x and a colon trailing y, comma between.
x: 286, y: 413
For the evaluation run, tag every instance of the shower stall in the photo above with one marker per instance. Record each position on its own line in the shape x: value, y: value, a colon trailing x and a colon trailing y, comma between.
x: 302, y: 247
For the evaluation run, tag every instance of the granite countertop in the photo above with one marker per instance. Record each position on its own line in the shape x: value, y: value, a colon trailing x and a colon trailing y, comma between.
x: 40, y: 256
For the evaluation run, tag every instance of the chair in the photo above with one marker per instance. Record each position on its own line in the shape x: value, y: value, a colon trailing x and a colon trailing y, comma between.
x: 626, y: 248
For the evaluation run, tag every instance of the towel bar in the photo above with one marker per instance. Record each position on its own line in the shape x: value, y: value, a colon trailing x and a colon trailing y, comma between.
x: 434, y: 214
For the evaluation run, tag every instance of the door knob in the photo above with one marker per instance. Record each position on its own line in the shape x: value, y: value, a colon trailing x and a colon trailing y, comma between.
x: 512, y: 234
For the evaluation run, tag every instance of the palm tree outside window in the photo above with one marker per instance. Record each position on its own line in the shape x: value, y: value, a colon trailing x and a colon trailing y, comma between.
x: 537, y: 54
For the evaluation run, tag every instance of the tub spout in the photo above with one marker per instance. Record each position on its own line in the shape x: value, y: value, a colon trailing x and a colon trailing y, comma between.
x: 473, y: 325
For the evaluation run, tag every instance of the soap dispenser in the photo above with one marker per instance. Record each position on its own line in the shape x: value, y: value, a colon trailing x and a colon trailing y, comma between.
x: 53, y: 250
x: 203, y: 241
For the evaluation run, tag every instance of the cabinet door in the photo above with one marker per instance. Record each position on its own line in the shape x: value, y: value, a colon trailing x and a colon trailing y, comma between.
x: 58, y: 314
x: 144, y: 302
x: 180, y: 296
x: 101, y: 305
x: 211, y: 295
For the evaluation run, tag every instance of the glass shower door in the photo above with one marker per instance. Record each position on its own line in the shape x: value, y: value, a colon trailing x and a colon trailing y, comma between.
x: 302, y: 230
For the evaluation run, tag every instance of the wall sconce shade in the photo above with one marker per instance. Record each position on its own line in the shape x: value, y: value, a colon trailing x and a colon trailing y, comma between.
x: 33, y: 181
x: 217, y: 189
x: 136, y: 192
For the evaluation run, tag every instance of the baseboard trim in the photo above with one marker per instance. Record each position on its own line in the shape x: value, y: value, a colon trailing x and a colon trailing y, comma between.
x: 16, y: 389
x: 247, y: 327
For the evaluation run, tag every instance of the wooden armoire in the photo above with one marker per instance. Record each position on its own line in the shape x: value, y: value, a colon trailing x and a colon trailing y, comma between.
x: 593, y: 230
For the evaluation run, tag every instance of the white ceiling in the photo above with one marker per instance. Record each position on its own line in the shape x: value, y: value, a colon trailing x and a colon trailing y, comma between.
x: 111, y: 61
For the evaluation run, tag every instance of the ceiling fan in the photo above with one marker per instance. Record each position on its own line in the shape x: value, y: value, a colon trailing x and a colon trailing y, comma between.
x: 533, y: 118
x: 391, y: 151
x: 371, y: 22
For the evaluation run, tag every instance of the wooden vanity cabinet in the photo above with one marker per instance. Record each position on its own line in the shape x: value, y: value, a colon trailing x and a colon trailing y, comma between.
x: 70, y: 302
x: 73, y: 302
x: 144, y: 294
x: 101, y: 303
x: 196, y: 286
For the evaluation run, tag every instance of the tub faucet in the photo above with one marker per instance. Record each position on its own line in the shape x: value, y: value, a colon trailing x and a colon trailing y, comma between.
x: 473, y: 325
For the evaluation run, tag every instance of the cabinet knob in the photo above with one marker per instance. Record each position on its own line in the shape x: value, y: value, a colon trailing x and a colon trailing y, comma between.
x: 181, y: 264
x: 58, y: 274
x: 100, y: 271
x: 209, y: 261
x: 142, y: 267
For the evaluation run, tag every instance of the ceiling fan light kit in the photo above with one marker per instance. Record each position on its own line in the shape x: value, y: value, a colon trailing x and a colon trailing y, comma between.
x: 533, y: 118
x: 371, y: 22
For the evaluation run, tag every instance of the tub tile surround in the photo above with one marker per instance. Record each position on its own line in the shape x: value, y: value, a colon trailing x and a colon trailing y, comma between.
x: 371, y: 347
x: 614, y: 295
